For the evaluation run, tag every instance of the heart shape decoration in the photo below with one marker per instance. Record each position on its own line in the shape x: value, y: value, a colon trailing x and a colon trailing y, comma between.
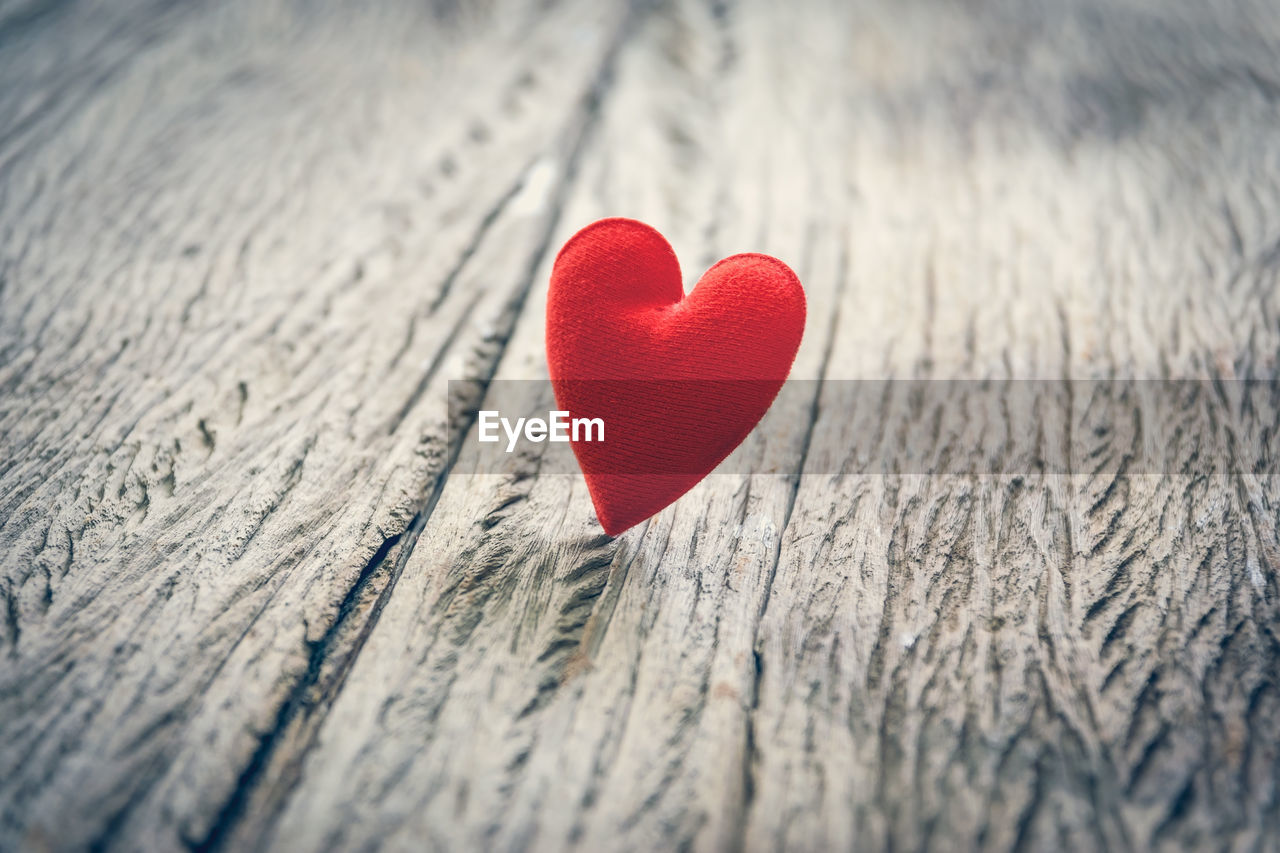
x: 677, y: 381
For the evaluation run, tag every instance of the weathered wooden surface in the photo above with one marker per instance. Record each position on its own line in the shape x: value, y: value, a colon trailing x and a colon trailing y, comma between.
x: 243, y: 247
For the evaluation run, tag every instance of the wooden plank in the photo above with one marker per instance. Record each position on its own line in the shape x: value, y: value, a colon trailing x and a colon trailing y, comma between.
x: 1042, y: 661
x: 989, y: 661
x: 532, y: 682
x: 235, y: 277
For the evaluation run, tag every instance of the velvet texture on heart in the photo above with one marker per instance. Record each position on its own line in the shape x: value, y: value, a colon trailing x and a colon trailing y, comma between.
x: 678, y: 381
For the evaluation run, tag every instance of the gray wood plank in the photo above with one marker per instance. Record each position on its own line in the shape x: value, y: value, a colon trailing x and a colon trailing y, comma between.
x: 236, y: 277
x: 818, y: 662
x: 1045, y: 661
x: 532, y: 682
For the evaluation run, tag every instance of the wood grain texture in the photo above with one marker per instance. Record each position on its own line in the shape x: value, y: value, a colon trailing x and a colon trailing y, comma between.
x: 236, y: 280
x: 251, y: 599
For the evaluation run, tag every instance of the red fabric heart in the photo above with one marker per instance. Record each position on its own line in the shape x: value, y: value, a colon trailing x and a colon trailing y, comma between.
x: 679, y: 381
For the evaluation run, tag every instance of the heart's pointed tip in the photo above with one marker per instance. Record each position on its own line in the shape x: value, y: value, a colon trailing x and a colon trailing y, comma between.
x: 611, y: 523
x: 613, y: 527
x: 614, y: 531
x: 615, y: 519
